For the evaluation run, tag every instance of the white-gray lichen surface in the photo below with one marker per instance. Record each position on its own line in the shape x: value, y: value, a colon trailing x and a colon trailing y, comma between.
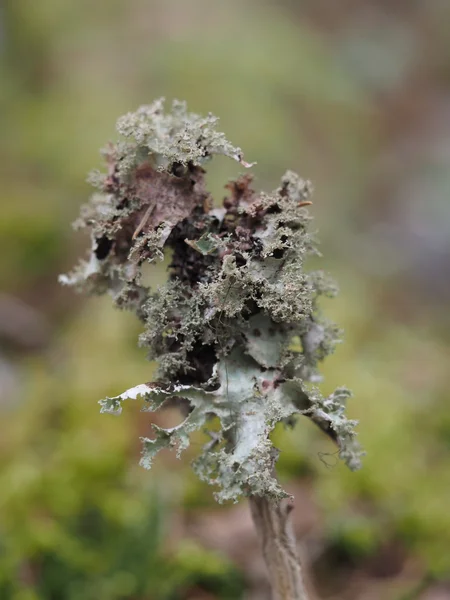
x: 236, y: 330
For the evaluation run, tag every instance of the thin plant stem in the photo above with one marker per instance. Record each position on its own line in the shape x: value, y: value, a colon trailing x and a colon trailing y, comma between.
x: 274, y: 529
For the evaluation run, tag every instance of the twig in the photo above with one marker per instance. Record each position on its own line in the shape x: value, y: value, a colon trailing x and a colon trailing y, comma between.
x: 274, y: 529
x: 145, y: 218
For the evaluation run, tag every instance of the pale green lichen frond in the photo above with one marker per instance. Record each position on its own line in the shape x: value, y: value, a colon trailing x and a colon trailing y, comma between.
x: 177, y: 136
x: 249, y: 401
x: 237, y: 329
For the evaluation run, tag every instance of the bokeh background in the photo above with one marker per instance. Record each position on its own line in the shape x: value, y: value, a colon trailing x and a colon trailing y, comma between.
x: 354, y: 95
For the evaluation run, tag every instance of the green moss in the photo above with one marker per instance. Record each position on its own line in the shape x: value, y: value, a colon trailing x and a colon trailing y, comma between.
x: 195, y: 566
x: 355, y: 537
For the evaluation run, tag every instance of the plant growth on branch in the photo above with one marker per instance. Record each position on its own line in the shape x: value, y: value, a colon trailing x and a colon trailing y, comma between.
x: 236, y: 329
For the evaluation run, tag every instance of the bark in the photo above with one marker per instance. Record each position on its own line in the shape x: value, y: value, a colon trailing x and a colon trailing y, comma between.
x: 276, y: 535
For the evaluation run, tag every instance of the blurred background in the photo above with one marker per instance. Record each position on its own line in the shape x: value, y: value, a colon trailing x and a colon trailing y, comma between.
x: 354, y: 95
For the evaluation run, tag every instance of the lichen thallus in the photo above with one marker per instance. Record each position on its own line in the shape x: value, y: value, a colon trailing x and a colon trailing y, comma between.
x: 159, y: 163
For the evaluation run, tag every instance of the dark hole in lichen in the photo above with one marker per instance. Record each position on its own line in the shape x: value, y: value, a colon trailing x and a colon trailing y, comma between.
x: 273, y: 210
x: 187, y: 264
x: 250, y: 308
x: 240, y: 260
x: 104, y: 245
x: 202, y: 359
x: 278, y: 253
x: 178, y: 169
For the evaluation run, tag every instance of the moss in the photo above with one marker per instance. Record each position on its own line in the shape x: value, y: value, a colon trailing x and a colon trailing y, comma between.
x: 206, y: 570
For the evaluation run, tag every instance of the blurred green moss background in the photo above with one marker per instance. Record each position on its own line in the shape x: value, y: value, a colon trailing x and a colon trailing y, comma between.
x: 356, y: 97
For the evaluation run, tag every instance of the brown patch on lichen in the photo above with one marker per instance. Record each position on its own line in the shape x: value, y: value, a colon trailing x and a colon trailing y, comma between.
x: 240, y: 191
x: 164, y: 201
x: 166, y: 198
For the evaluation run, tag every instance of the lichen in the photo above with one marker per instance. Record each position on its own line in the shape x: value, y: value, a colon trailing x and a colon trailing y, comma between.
x: 236, y: 330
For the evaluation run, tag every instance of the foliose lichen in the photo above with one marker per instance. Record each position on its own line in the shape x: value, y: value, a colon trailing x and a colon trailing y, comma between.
x: 236, y: 330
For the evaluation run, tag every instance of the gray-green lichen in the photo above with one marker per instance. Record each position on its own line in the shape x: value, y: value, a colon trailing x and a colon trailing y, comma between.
x: 236, y: 330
